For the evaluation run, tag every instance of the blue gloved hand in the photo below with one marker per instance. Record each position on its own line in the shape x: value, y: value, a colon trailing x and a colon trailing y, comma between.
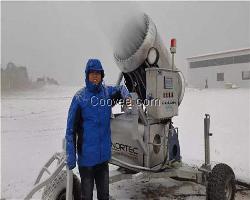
x: 71, y: 161
x: 71, y: 165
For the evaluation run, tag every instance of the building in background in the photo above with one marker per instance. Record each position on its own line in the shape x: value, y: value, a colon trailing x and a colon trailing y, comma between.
x: 14, y: 77
x: 230, y: 69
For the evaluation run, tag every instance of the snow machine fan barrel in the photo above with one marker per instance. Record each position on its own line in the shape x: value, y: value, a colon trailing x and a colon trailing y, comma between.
x: 140, y: 40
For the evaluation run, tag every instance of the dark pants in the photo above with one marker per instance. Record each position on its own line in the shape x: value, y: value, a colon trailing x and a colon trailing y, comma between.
x: 98, y: 173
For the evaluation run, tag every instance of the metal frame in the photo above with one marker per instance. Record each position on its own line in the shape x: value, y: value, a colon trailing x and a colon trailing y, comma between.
x: 61, y: 163
x: 185, y: 172
x: 60, y: 158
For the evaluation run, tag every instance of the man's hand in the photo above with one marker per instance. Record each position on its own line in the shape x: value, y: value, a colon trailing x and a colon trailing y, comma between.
x: 71, y: 166
x: 71, y: 161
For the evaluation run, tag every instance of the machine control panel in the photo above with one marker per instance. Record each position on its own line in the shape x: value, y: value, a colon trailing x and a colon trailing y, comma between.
x: 162, y: 90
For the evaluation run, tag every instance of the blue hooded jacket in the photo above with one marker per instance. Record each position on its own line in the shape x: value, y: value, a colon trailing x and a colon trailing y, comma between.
x: 88, y: 121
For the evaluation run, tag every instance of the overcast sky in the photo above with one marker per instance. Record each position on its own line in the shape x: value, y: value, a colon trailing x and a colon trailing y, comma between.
x: 56, y: 38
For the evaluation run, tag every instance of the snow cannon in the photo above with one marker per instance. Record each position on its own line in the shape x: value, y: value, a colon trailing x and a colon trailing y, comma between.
x: 148, y: 69
x: 144, y: 137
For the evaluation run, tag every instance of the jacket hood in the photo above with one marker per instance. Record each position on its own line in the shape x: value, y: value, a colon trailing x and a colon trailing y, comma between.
x: 93, y: 64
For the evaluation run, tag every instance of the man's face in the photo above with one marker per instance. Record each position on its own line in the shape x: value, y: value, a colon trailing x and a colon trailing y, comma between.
x: 95, y: 77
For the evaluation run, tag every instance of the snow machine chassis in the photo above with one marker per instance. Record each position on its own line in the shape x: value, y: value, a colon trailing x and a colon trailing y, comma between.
x: 217, y: 188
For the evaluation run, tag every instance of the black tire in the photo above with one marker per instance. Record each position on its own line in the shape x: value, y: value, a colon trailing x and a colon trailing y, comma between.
x: 221, y: 183
x: 56, y: 189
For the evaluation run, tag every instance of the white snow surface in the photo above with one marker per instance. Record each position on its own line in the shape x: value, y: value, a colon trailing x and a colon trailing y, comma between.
x: 229, y: 111
x: 33, y: 124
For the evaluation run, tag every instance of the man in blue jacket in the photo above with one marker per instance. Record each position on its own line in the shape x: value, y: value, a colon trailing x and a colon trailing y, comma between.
x: 88, y: 135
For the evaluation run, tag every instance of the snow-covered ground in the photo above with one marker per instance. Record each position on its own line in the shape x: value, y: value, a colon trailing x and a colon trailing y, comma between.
x: 33, y: 125
x: 229, y: 110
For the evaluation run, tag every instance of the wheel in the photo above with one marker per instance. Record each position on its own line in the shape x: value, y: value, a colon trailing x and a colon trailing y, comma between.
x: 56, y: 189
x: 221, y: 183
